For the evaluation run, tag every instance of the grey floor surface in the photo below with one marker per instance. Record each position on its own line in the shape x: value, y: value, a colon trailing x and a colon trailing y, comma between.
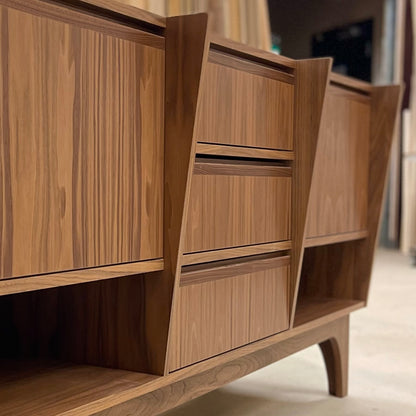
x: 382, y: 363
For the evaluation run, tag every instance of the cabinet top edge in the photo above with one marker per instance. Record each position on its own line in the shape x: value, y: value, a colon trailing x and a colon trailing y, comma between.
x: 350, y: 82
x: 124, y: 11
x: 247, y: 51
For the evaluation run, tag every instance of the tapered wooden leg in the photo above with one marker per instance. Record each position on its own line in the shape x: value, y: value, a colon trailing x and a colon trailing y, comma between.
x: 335, y: 351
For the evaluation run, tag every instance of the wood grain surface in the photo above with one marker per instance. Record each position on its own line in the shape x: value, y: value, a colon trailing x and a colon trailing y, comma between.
x: 218, y: 315
x: 229, y: 210
x: 339, y: 192
x: 343, y: 270
x: 311, y: 309
x: 385, y: 108
x: 231, y: 253
x: 328, y: 271
x: 254, y: 54
x: 51, y: 388
x: 249, y: 66
x: 235, y: 109
x: 100, y: 323
x: 351, y: 83
x: 233, y: 267
x: 186, y: 54
x: 76, y: 168
x: 336, y: 355
x: 80, y: 14
x: 73, y: 390
x: 127, y: 11
x: 85, y: 189
x: 233, y: 167
x: 335, y: 238
x: 239, y: 151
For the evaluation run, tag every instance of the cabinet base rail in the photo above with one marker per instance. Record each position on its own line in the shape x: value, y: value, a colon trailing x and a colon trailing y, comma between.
x: 184, y: 385
x: 64, y: 389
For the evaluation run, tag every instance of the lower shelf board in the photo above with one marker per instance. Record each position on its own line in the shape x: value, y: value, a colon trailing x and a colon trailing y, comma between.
x: 312, y: 309
x: 53, y: 388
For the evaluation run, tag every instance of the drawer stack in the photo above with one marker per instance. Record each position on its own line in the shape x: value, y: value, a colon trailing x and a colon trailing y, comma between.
x: 234, y: 281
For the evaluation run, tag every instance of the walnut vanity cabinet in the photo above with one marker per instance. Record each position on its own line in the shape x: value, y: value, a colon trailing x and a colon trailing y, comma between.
x: 177, y: 210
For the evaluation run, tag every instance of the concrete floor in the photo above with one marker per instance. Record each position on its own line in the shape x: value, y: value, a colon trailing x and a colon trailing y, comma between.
x: 382, y: 363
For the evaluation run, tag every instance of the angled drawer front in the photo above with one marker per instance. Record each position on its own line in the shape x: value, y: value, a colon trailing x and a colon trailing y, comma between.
x: 236, y: 204
x: 339, y: 191
x: 245, y: 104
x: 81, y: 154
x: 226, y: 307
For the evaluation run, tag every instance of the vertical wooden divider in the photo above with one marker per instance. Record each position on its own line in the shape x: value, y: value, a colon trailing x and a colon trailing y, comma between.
x: 186, y: 55
x: 384, y: 109
x: 312, y: 79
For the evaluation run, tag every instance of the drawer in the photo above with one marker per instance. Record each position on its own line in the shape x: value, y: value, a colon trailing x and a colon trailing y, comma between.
x: 236, y: 204
x: 225, y: 307
x: 339, y: 193
x: 251, y: 106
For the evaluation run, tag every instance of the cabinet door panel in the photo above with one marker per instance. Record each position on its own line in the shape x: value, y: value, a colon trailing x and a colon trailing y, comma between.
x: 340, y: 183
x: 81, y: 156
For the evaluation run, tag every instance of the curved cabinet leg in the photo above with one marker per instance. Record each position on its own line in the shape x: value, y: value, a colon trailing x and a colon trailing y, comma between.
x: 335, y: 351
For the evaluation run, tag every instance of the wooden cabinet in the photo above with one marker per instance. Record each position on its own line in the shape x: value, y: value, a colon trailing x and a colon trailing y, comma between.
x: 339, y: 194
x: 235, y: 203
x: 235, y: 104
x: 81, y: 155
x: 224, y: 307
x: 87, y: 172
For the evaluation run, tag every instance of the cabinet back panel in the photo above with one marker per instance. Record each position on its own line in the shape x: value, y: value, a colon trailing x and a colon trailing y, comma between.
x: 339, y: 191
x: 81, y: 156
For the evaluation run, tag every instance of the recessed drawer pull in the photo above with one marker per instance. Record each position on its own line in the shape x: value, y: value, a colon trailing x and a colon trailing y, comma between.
x: 226, y: 269
x: 255, y: 68
x: 240, y: 169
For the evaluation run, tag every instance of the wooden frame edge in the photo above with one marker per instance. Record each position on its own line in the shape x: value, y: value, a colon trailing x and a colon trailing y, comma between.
x: 312, y: 81
x: 385, y: 106
x: 187, y: 45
